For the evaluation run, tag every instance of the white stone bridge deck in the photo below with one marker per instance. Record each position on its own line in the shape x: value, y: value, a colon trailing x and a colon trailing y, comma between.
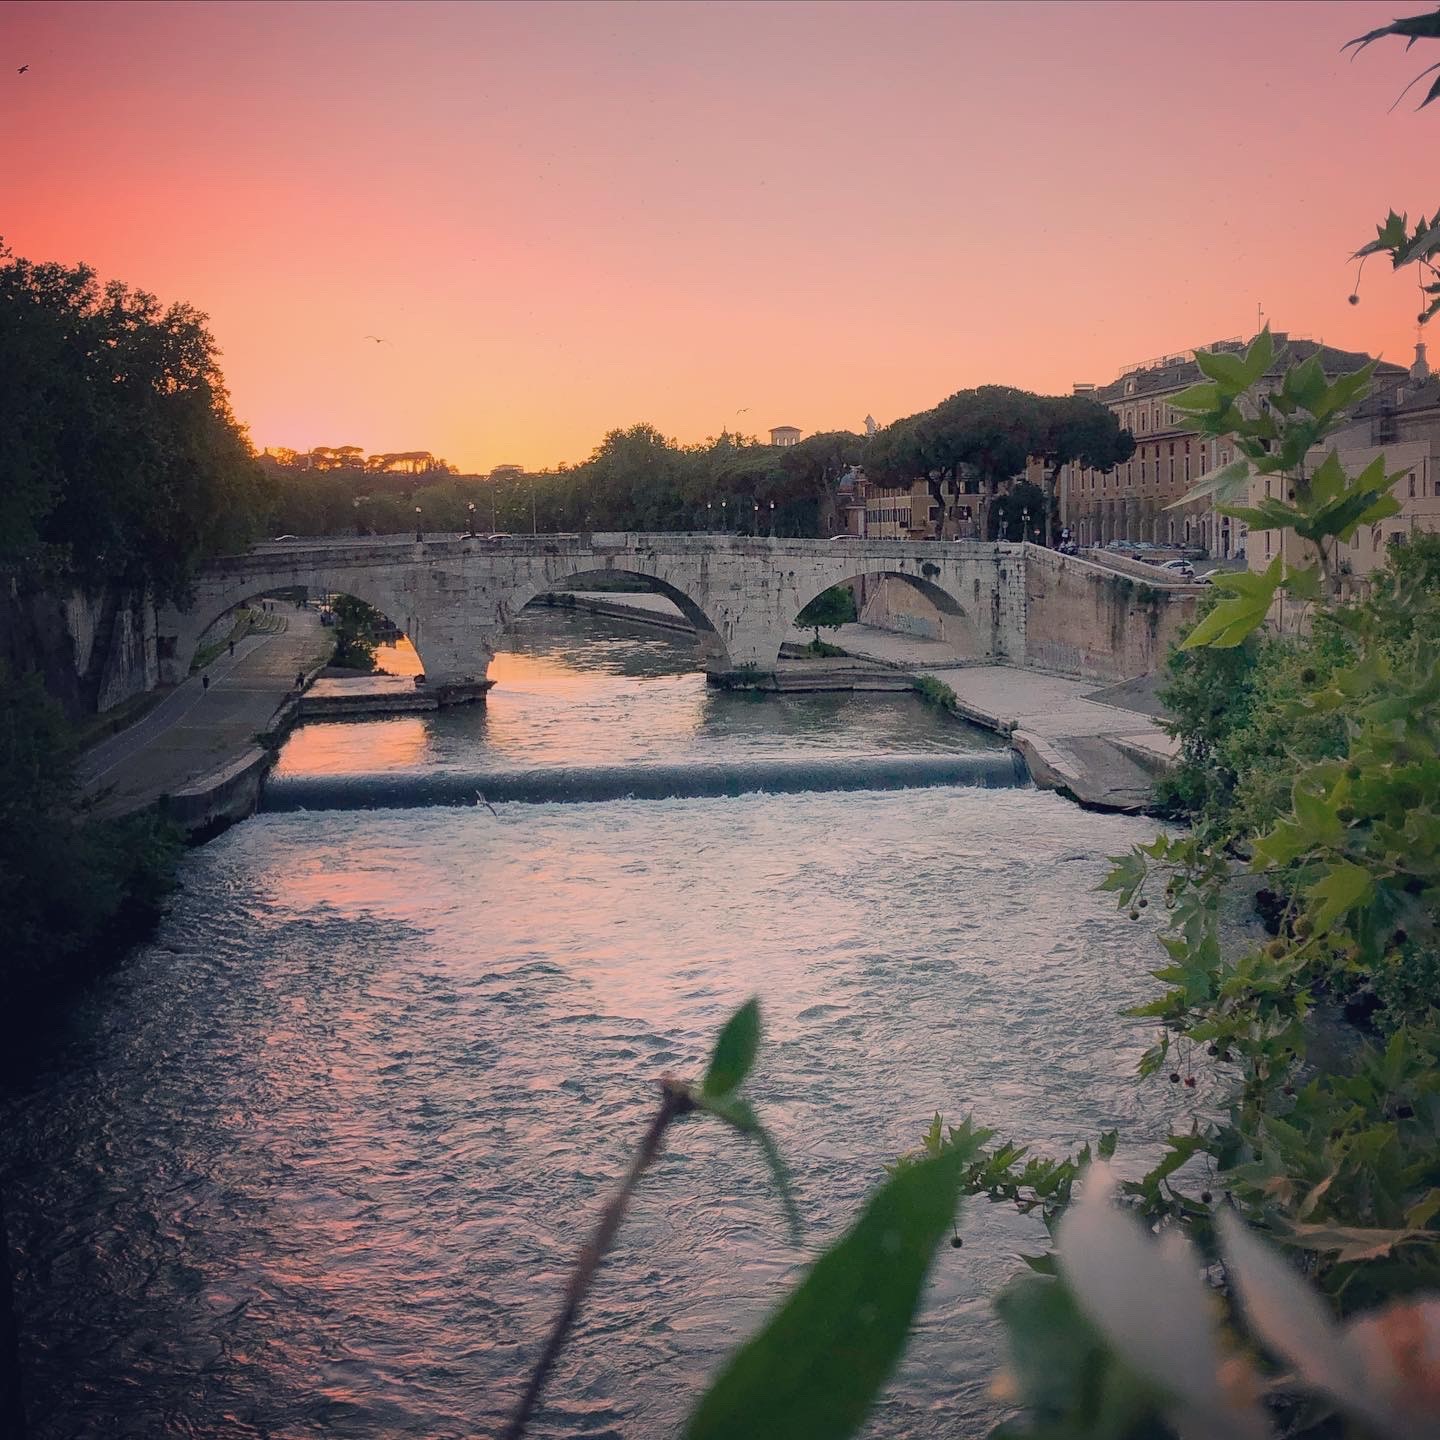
x: 455, y: 596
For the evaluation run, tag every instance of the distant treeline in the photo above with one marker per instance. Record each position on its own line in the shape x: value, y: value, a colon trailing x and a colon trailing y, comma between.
x: 975, y: 443
x: 123, y: 464
x: 637, y: 479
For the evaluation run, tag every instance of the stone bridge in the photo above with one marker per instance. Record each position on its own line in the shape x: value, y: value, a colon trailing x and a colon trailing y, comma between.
x: 456, y: 596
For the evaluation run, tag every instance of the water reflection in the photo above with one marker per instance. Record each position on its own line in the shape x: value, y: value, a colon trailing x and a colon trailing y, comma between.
x: 575, y: 689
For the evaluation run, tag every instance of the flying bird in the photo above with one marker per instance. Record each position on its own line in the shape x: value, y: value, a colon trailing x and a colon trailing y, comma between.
x: 376, y: 338
x: 22, y: 69
x: 481, y: 800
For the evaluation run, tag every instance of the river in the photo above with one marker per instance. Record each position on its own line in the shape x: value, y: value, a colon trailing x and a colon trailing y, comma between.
x: 316, y: 1160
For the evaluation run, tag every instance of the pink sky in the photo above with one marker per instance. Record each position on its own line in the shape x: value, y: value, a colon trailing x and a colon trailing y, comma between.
x: 564, y: 218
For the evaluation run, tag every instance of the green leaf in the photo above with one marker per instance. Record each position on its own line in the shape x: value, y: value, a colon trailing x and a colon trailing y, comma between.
x: 1353, y: 1242
x: 1270, y: 514
x: 1344, y: 887
x: 1424, y: 1210
x: 744, y: 1119
x: 1260, y: 356
x: 815, y: 1369
x: 1224, y: 482
x: 1228, y: 371
x: 1305, y: 383
x: 1227, y: 625
x: 1344, y: 391
x: 1197, y: 399
x: 1303, y: 584
x: 734, y: 1052
x: 1392, y: 234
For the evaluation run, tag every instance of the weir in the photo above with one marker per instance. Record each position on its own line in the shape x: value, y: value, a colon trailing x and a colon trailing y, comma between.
x: 580, y: 784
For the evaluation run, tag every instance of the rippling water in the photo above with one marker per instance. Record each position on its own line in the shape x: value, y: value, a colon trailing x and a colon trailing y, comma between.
x: 316, y: 1161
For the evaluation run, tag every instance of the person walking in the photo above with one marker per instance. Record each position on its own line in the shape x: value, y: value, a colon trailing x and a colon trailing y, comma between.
x: 204, y: 682
x: 232, y: 649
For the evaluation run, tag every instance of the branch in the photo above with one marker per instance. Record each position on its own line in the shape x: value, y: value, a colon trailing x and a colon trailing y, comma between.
x: 675, y: 1102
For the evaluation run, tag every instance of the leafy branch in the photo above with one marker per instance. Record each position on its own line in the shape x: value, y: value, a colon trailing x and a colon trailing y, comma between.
x: 730, y: 1063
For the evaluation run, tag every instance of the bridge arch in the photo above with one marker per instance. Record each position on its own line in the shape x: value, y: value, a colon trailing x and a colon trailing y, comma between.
x: 180, y: 637
x: 714, y: 652
x: 956, y: 626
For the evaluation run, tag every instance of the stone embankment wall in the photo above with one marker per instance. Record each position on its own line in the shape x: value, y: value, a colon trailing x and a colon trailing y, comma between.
x: 1085, y: 620
x: 94, y: 652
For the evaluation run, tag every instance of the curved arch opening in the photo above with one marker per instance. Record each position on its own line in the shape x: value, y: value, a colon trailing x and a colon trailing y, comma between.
x: 607, y: 591
x: 368, y: 623
x: 912, y: 609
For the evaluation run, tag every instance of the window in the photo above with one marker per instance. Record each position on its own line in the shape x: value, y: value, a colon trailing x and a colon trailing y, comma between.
x: 1412, y: 484
x: 1187, y: 464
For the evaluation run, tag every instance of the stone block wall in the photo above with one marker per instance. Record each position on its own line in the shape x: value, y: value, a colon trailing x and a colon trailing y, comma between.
x: 1093, y: 623
x: 93, y: 651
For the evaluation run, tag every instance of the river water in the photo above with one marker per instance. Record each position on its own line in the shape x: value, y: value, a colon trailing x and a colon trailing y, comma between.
x: 315, y: 1162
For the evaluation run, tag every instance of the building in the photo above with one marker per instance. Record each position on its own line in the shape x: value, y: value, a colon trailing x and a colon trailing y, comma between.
x: 1400, y: 421
x: 1130, y: 502
x: 785, y: 436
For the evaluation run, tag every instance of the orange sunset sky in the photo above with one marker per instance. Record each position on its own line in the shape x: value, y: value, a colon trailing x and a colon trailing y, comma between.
x: 567, y: 217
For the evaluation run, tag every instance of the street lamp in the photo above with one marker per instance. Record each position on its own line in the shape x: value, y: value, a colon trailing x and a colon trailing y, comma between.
x: 1024, y: 525
x: 419, y: 534
x: 723, y: 503
x: 356, y: 504
x: 755, y: 524
x: 470, y: 506
x: 709, y: 517
x: 772, y: 519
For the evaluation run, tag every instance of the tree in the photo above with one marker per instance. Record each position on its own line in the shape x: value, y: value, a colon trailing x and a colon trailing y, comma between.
x: 355, y: 625
x: 811, y: 472
x: 831, y: 608
x: 120, y: 461
x: 978, y: 440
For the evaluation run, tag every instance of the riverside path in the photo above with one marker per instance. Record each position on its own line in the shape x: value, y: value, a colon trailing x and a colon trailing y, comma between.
x: 195, y: 731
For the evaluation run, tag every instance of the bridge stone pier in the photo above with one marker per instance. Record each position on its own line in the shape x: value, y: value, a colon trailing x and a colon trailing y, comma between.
x: 455, y: 597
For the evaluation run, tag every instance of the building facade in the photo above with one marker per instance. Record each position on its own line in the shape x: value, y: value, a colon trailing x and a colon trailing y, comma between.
x: 1401, y: 422
x: 1131, y: 501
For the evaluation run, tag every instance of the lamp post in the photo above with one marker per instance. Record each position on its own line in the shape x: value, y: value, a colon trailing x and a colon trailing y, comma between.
x: 419, y: 533
x: 470, y: 506
x: 709, y: 517
x: 772, y: 519
x: 355, y: 503
x: 722, y: 515
x: 755, y: 523
x: 1024, y: 525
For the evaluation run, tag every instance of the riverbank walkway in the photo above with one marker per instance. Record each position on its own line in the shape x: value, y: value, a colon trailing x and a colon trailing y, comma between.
x: 195, y: 731
x: 1102, y: 743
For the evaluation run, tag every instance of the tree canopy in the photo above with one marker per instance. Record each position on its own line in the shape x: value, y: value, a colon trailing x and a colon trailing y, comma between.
x: 120, y: 460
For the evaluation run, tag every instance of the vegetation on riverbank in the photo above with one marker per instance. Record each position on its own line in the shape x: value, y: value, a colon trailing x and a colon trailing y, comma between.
x: 122, y: 467
x: 77, y: 889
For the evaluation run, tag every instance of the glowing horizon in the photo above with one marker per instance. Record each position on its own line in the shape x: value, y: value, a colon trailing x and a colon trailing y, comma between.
x: 566, y: 218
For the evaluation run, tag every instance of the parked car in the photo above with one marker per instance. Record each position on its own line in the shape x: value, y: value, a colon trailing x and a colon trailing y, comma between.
x: 1179, y: 567
x: 834, y: 538
x: 500, y: 535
